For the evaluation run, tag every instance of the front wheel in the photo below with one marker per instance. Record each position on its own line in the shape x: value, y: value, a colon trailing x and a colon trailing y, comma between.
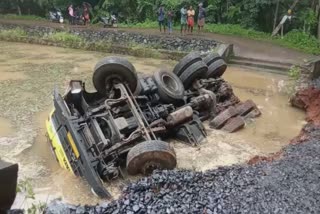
x: 112, y: 70
x: 150, y: 155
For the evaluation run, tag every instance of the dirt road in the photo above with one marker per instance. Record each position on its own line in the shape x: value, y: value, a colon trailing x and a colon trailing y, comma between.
x: 242, y: 46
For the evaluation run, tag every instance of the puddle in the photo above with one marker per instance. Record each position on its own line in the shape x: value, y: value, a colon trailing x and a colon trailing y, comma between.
x: 279, y: 121
x: 6, y: 128
x: 31, y: 99
x: 12, y: 76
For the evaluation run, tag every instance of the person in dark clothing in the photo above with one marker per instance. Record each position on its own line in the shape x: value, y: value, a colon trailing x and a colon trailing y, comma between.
x: 71, y: 14
x: 161, y: 17
x: 183, y: 20
x: 85, y: 14
x: 201, y: 18
x: 170, y: 20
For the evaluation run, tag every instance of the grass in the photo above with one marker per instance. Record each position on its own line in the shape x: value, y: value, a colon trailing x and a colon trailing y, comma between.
x: 64, y: 37
x: 15, y: 33
x: 22, y: 17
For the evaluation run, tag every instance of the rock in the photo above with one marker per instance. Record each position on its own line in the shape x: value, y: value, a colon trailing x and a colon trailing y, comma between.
x: 253, y: 114
x: 225, y: 51
x: 124, y: 38
x: 136, y: 208
x: 234, y: 124
x: 246, y: 107
x: 219, y: 121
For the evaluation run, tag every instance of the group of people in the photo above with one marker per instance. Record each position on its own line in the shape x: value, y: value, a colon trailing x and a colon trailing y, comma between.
x: 187, y: 19
x: 76, y: 14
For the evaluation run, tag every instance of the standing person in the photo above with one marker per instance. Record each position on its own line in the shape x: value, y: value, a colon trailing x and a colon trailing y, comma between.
x: 190, y: 14
x: 170, y: 19
x: 77, y: 15
x: 71, y: 14
x: 161, y: 16
x: 201, y: 18
x: 85, y: 14
x: 183, y: 21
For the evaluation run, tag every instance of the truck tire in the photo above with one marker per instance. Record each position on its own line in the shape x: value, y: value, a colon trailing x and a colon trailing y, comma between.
x: 112, y: 69
x: 186, y: 61
x: 211, y: 58
x: 170, y: 87
x: 216, y: 69
x: 197, y: 70
x: 150, y: 155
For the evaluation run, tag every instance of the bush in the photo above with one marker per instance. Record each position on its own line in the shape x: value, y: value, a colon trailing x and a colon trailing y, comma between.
x: 295, y: 72
x: 302, y: 41
x: 147, y: 24
x: 24, y: 17
x: 65, y: 37
x: 238, y: 30
x: 16, y: 33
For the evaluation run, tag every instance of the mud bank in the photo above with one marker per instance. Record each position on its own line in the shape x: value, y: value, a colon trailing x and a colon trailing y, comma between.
x: 112, y: 41
x: 308, y: 99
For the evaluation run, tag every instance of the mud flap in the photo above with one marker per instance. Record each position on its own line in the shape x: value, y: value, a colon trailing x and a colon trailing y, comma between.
x: 8, y: 185
x: 191, y: 133
x: 85, y: 165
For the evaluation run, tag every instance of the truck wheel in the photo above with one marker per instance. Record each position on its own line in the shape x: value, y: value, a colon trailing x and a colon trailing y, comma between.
x: 197, y: 70
x: 217, y: 69
x: 138, y: 90
x: 211, y: 58
x: 114, y: 69
x: 170, y: 87
x: 150, y: 155
x: 186, y: 61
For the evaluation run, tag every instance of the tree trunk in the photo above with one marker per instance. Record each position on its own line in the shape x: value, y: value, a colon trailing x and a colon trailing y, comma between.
x: 294, y: 4
x: 276, y: 15
x: 18, y: 9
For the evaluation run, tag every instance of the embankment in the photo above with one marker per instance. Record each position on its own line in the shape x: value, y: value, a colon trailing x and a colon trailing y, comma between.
x: 106, y: 40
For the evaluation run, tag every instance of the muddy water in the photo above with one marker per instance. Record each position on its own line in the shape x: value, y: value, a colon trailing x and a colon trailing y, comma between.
x: 279, y: 121
x: 32, y: 71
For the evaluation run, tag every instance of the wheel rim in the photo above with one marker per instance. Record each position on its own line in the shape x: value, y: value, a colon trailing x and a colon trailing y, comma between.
x: 149, y: 167
x: 170, y: 83
x: 112, y: 79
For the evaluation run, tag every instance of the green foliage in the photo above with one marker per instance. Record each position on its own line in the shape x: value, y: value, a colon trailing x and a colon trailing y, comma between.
x: 147, y: 24
x: 23, y: 17
x: 237, y: 30
x: 36, y: 208
x: 295, y: 72
x: 25, y: 187
x: 16, y: 33
x: 302, y: 41
x: 64, y: 37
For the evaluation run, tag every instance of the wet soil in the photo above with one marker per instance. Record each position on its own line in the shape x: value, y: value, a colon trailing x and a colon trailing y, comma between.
x: 27, y: 101
x: 309, y: 100
x: 6, y: 128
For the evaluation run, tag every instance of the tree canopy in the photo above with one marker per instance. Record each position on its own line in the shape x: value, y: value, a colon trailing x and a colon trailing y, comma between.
x: 260, y: 15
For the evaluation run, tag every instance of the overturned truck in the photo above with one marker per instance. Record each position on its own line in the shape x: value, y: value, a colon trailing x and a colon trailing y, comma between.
x: 123, y: 126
